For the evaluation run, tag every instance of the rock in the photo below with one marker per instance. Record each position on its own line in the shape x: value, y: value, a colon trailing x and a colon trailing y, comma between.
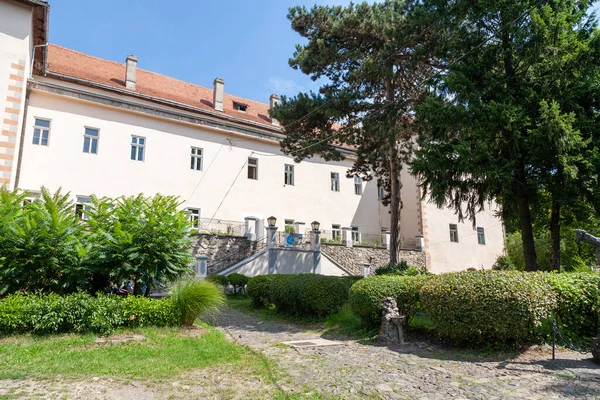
x: 384, y: 388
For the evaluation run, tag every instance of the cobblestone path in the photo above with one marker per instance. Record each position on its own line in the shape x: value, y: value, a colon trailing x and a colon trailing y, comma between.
x: 417, y: 370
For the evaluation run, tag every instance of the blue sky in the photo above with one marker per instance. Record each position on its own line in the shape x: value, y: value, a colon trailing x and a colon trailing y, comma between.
x: 247, y: 43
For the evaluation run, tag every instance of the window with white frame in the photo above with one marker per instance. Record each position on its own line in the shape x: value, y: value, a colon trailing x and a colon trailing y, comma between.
x: 358, y: 185
x: 454, y: 233
x: 335, y: 182
x: 288, y: 178
x: 355, y: 234
x: 252, y: 168
x: 480, y: 235
x: 336, y: 232
x: 90, y: 140
x: 82, y: 207
x: 196, y: 159
x: 138, y: 146
x: 194, y: 217
x: 41, y: 132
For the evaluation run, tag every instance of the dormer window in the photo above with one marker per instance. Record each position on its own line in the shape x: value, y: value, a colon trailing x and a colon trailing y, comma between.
x: 241, y: 107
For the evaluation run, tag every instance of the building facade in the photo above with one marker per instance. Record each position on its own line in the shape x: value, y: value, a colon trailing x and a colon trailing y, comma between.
x: 96, y: 127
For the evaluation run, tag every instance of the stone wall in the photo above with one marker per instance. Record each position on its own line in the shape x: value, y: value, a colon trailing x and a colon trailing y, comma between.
x: 222, y: 251
x: 353, y: 258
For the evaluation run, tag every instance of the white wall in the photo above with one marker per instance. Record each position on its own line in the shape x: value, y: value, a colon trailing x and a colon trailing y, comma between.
x: 258, y: 266
x: 291, y: 261
x: 15, y: 48
x: 446, y: 256
x: 166, y: 168
x: 329, y: 268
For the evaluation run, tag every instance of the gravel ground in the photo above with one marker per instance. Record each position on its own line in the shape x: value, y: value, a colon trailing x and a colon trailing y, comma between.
x: 417, y: 370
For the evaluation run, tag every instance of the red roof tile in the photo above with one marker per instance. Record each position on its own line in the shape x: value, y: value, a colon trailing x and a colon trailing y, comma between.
x: 82, y: 66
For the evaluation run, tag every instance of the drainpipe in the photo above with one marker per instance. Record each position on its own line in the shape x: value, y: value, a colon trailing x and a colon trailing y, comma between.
x: 22, y: 138
x: 33, y: 58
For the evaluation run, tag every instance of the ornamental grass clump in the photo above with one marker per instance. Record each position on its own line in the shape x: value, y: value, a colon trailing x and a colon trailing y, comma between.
x: 193, y: 297
x: 487, y: 307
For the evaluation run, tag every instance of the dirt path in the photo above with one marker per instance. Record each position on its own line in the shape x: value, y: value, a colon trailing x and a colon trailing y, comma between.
x: 417, y: 370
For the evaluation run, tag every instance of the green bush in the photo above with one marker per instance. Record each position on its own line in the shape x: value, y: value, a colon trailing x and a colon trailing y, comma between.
x: 504, y: 263
x: 402, y: 268
x: 192, y: 297
x: 80, y: 312
x: 487, y: 307
x: 238, y: 281
x: 578, y: 303
x: 141, y: 311
x: 309, y: 294
x: 220, y: 280
x: 259, y: 290
x: 366, y: 295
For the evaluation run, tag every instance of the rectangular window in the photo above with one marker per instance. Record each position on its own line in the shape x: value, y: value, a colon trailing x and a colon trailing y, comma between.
x: 355, y: 234
x: 358, y: 186
x: 82, y: 207
x: 289, y: 226
x: 380, y: 191
x: 252, y: 168
x: 194, y: 216
x: 138, y: 144
x: 480, y: 235
x: 196, y: 159
x: 336, y: 232
x: 289, y: 175
x: 41, y: 132
x: 90, y: 140
x: 335, y: 182
x: 454, y: 233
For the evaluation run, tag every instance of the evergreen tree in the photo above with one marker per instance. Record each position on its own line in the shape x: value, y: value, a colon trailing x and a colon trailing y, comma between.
x: 370, y: 57
x: 514, y: 113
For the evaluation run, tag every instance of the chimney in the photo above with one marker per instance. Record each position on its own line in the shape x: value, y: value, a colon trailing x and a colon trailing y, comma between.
x: 130, y: 67
x: 273, y: 101
x: 218, y: 94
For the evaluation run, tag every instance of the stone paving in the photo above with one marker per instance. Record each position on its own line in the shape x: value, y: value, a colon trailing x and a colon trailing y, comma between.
x: 417, y: 370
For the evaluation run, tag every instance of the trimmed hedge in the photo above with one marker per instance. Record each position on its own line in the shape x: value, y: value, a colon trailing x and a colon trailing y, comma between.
x: 578, y: 303
x: 52, y: 313
x: 309, y: 294
x: 487, y: 307
x: 238, y: 281
x: 221, y: 280
x: 366, y: 295
x: 259, y: 290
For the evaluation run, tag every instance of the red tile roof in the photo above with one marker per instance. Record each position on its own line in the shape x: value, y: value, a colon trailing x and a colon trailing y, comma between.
x: 82, y: 66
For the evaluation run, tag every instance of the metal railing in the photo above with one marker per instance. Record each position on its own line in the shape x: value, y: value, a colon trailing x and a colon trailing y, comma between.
x: 221, y: 227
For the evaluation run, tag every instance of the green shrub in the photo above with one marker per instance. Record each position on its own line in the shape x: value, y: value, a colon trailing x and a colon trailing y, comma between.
x: 220, y: 280
x: 15, y: 314
x: 504, y: 263
x: 366, y: 295
x: 309, y: 294
x: 402, y: 268
x: 238, y: 281
x: 487, y: 307
x: 192, y: 297
x: 578, y: 303
x: 259, y: 290
x: 141, y: 311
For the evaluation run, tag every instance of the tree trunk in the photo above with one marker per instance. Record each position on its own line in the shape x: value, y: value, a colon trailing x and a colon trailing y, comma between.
x: 395, y: 206
x: 555, y: 236
x: 526, y: 229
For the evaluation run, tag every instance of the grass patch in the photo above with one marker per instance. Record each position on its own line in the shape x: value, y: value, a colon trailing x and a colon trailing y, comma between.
x: 345, y: 322
x: 163, y: 353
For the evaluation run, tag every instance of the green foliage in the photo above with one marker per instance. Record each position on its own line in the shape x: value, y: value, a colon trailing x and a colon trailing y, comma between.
x: 367, y: 294
x: 503, y: 263
x: 141, y: 311
x: 218, y: 279
x: 513, y: 116
x: 308, y: 294
x: 238, y: 281
x: 41, y: 244
x: 578, y: 303
x: 401, y: 268
x: 259, y: 290
x: 192, y: 297
x: 487, y: 307
x: 139, y: 238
